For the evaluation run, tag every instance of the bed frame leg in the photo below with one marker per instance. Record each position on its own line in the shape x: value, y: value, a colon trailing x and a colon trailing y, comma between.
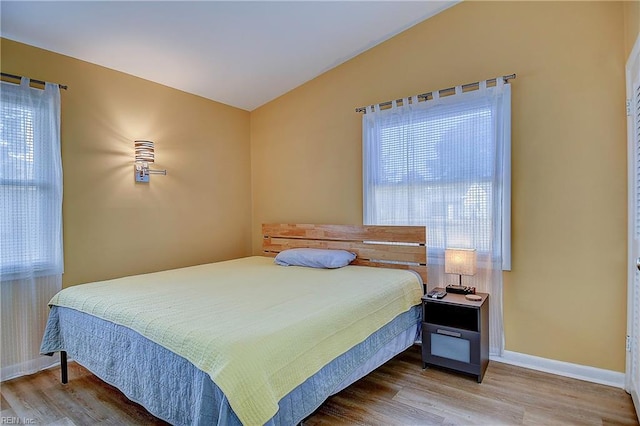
x: 63, y: 367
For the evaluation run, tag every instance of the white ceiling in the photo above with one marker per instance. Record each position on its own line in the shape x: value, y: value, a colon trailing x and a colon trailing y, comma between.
x: 241, y: 53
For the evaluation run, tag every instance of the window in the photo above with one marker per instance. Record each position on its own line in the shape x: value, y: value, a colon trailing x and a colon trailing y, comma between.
x: 443, y: 163
x: 30, y: 183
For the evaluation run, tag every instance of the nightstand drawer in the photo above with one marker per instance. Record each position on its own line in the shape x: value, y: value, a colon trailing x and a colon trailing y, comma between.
x: 451, y: 347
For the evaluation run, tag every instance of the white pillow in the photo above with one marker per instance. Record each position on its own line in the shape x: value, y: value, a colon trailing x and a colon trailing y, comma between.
x: 315, y: 258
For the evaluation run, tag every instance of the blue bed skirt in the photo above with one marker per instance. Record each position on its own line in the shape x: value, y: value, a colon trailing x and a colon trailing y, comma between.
x: 173, y: 389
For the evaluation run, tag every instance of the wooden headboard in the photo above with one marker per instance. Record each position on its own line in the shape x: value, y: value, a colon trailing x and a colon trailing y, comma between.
x: 401, y: 247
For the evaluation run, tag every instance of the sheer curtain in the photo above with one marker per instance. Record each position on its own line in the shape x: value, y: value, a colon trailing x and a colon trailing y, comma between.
x: 30, y: 221
x: 445, y: 163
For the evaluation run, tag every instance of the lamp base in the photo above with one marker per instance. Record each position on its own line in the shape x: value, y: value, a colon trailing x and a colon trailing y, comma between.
x: 459, y: 289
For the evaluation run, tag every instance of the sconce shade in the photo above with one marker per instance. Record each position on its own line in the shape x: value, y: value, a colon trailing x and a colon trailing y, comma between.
x: 460, y: 261
x: 145, y: 155
x: 144, y: 151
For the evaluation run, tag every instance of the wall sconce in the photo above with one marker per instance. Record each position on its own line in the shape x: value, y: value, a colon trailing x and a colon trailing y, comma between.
x: 460, y: 261
x: 144, y: 156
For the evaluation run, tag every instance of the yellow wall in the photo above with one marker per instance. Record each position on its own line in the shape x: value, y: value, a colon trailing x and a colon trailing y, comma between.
x: 566, y: 296
x: 200, y: 212
x: 631, y: 24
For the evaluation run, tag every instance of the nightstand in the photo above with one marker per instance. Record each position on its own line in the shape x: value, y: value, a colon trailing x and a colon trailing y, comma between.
x: 455, y: 333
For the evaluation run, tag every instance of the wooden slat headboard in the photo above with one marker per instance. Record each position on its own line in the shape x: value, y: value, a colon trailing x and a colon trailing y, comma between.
x: 401, y: 247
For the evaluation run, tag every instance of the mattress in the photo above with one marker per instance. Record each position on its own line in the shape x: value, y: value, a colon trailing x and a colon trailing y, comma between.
x: 217, y: 317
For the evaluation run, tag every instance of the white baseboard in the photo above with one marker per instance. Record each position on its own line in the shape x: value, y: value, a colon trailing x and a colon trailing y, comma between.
x: 561, y: 368
x: 636, y: 401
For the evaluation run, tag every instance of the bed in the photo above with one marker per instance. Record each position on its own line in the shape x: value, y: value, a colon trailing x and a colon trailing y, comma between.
x: 247, y: 341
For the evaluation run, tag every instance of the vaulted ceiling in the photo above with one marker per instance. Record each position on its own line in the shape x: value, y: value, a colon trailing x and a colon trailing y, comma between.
x: 241, y: 53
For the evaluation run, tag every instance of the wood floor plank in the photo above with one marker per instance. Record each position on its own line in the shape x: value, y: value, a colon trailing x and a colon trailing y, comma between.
x: 459, y: 407
x: 398, y: 393
x: 542, y: 417
x: 556, y: 394
x: 508, y: 395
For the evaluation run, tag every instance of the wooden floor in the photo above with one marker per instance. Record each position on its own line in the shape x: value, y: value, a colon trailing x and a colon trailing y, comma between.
x: 398, y: 393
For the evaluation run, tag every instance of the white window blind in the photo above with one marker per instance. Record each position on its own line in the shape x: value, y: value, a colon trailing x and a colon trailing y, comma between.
x: 30, y: 182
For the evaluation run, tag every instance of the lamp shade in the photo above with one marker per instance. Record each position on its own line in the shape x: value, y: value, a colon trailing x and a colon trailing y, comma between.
x: 144, y: 151
x: 460, y: 261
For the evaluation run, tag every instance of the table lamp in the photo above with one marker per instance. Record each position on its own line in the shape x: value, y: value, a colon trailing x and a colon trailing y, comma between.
x: 460, y: 261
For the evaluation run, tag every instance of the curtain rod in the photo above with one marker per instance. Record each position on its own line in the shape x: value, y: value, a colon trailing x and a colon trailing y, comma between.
x: 426, y: 96
x: 6, y: 74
